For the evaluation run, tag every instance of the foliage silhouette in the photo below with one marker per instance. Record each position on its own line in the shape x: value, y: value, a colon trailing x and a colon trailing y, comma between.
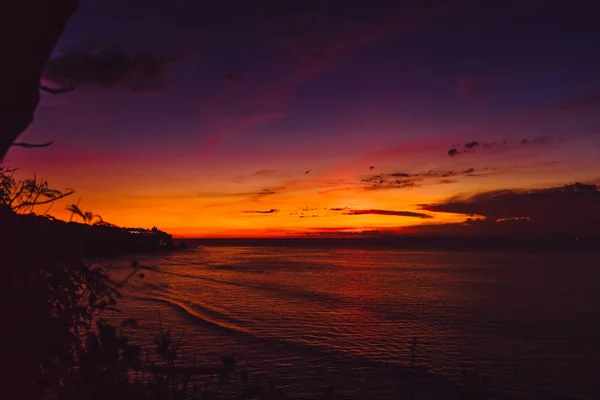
x: 23, y: 196
x: 87, y: 217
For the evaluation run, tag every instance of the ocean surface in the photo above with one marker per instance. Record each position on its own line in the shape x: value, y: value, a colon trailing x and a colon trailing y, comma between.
x: 355, y: 319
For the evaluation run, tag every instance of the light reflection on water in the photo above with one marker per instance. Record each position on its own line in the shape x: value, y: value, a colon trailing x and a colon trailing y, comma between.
x: 529, y: 321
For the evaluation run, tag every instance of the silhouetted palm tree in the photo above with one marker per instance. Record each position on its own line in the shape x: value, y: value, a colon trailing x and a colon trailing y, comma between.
x: 87, y: 217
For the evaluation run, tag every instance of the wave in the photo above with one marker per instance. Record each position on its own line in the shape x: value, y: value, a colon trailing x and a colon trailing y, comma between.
x: 311, y: 352
x: 287, y: 291
x: 289, y: 342
x: 205, y: 320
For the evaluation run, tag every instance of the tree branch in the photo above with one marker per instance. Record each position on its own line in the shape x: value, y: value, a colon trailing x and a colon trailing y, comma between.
x: 29, y: 32
x: 28, y: 204
x: 32, y: 145
x: 56, y: 91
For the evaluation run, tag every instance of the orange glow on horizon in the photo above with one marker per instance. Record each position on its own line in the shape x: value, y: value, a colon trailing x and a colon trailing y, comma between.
x: 285, y: 199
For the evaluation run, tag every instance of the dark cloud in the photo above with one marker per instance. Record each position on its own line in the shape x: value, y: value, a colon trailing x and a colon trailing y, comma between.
x: 271, y: 211
x: 389, y: 212
x: 542, y: 140
x: 403, y: 180
x: 397, y: 184
x: 448, y: 174
x: 265, y: 172
x: 336, y: 229
x: 266, y: 192
x: 571, y: 210
x: 338, y: 209
x: 256, y: 196
x: 372, y: 178
x: 386, y: 181
x: 108, y: 68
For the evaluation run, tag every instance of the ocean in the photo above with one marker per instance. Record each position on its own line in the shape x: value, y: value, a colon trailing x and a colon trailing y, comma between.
x: 356, y: 319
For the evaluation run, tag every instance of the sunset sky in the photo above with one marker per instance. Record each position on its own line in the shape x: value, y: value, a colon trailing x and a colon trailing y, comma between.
x: 287, y: 118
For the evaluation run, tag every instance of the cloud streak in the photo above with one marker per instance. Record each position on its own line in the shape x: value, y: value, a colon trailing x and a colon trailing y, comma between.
x: 320, y: 45
x: 264, y: 172
x: 404, y: 180
x: 109, y: 68
x: 271, y: 211
x: 505, y: 144
x: 389, y: 212
x: 254, y: 195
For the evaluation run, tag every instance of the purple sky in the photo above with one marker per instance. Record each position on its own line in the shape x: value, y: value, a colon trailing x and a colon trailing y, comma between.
x: 183, y: 103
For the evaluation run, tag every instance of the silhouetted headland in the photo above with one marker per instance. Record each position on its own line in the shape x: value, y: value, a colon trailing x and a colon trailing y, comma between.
x: 87, y: 241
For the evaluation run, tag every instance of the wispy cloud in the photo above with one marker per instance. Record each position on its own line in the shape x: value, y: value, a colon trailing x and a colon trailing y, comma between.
x: 251, y: 195
x: 404, y: 180
x: 109, y: 68
x: 211, y: 142
x: 271, y: 211
x: 542, y: 140
x: 338, y: 209
x: 389, y: 212
x: 325, y: 41
x: 469, y: 147
x: 264, y: 172
x: 303, y: 54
